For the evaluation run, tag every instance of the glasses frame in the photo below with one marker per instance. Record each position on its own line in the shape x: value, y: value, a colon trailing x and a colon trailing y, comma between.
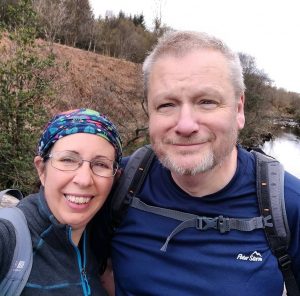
x: 51, y: 156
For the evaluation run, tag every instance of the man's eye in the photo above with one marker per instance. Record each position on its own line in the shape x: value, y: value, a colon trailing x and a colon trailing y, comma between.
x: 208, y: 104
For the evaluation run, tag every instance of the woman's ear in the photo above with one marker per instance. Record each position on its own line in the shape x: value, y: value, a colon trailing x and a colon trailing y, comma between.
x: 40, y: 167
x: 118, y: 175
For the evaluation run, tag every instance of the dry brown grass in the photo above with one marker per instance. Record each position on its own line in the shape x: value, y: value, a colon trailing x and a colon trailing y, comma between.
x: 86, y: 79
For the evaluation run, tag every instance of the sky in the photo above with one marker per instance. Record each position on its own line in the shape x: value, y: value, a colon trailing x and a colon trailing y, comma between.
x: 268, y: 30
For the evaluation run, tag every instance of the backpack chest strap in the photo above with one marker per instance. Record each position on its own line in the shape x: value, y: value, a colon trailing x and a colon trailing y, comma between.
x: 188, y: 220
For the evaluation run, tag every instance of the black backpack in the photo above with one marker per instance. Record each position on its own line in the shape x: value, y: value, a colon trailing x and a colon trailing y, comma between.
x: 270, y: 193
x: 17, y: 276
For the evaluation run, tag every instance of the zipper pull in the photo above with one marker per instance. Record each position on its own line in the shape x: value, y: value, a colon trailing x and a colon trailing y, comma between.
x: 87, y: 286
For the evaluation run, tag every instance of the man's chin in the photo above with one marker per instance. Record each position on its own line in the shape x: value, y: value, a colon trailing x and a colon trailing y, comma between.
x: 180, y: 167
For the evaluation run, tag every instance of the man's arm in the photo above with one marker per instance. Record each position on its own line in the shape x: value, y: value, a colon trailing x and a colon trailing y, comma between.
x: 107, y: 279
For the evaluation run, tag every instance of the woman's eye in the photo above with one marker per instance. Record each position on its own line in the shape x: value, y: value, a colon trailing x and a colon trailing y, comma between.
x: 100, y: 164
x: 68, y: 160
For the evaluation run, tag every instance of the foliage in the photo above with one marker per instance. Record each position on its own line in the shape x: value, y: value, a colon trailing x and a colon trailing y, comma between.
x: 121, y: 38
x: 66, y: 21
x: 4, y: 4
x: 25, y: 79
x: 263, y: 104
x: 72, y: 23
x: 23, y: 86
x: 257, y: 83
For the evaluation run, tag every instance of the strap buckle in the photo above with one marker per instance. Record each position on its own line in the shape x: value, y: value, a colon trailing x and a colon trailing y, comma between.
x: 267, y: 221
x: 223, y: 224
x: 285, y: 261
x: 204, y: 223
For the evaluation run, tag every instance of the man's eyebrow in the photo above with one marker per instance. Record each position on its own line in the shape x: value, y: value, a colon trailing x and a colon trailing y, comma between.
x: 208, y: 90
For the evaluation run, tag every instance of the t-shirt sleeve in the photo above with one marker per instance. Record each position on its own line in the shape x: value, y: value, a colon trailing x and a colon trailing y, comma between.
x: 292, y: 203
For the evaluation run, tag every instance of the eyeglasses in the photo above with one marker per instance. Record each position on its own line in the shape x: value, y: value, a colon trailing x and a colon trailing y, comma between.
x: 71, y: 161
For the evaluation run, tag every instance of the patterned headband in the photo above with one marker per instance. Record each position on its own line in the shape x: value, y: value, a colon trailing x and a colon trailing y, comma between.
x: 79, y: 121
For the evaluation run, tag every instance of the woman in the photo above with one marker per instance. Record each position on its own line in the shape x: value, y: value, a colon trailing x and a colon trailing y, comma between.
x: 78, y: 156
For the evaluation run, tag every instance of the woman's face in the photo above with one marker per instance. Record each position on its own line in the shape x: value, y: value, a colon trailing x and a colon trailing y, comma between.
x: 74, y: 197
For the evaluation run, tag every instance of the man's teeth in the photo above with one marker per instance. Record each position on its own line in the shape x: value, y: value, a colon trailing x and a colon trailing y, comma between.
x: 78, y: 199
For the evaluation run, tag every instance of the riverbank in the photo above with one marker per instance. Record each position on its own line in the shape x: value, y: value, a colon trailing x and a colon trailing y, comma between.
x: 286, y: 122
x: 285, y: 147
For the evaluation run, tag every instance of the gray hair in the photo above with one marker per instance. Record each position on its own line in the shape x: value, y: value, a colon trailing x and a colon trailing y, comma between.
x: 179, y: 43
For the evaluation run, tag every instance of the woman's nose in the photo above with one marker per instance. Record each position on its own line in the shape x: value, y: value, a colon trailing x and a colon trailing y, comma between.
x: 84, y: 174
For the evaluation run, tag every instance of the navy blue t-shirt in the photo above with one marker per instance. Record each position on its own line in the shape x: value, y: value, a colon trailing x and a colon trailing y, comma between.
x: 197, y: 262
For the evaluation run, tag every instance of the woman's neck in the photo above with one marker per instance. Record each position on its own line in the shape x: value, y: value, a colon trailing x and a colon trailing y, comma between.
x: 76, y: 235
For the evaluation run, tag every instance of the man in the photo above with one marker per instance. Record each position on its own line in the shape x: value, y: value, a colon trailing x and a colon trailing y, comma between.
x: 195, y: 96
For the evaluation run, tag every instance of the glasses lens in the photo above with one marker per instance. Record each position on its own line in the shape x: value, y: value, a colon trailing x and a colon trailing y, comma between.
x: 65, y: 161
x: 104, y: 167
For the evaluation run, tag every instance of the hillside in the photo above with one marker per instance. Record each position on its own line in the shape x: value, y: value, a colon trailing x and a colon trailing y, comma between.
x: 108, y: 85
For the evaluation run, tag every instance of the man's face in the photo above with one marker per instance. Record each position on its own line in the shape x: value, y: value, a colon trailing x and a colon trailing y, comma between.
x: 194, y: 115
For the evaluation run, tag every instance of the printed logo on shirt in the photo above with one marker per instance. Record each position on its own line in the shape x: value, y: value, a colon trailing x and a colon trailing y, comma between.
x: 254, y: 257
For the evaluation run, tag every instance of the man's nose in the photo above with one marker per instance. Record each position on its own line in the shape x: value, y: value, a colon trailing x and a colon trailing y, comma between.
x: 187, y: 123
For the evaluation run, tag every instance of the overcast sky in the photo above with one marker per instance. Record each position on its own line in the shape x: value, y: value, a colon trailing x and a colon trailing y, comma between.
x: 268, y: 30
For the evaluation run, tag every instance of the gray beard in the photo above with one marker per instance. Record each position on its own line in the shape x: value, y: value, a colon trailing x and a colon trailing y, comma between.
x: 207, y: 163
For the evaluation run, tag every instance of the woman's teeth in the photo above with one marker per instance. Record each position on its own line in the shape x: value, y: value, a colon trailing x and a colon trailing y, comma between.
x: 78, y: 199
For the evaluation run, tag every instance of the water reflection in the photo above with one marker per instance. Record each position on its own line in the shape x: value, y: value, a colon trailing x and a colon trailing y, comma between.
x: 286, y: 149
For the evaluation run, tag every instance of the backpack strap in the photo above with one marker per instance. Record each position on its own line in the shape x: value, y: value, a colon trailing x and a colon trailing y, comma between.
x: 17, y: 276
x: 130, y: 182
x: 270, y: 193
x: 10, y: 197
x: 13, y: 192
x: 220, y: 223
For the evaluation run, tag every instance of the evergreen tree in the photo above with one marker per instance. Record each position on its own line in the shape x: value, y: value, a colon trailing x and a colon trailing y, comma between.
x: 24, y: 84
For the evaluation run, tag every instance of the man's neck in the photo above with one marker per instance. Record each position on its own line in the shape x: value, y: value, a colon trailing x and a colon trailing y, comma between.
x: 211, y: 181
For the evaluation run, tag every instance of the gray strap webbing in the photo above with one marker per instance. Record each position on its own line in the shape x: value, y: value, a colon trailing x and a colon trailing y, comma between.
x: 13, y: 192
x: 220, y: 223
x: 17, y: 276
x: 271, y: 194
x: 10, y: 197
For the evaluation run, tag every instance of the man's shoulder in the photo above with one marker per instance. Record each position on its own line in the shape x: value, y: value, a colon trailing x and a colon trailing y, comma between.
x: 292, y: 185
x: 145, y: 152
x: 291, y: 179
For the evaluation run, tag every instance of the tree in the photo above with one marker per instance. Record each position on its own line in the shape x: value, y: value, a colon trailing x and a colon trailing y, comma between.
x: 24, y: 83
x: 79, y: 15
x: 256, y: 111
x: 124, y: 37
x: 52, y: 15
x: 4, y: 9
x: 139, y: 20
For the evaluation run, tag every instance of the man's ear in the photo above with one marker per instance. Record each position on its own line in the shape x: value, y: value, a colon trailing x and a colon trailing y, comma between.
x: 40, y: 167
x: 240, y: 112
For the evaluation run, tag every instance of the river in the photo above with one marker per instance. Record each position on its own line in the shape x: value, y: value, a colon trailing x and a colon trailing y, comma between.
x: 286, y: 148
